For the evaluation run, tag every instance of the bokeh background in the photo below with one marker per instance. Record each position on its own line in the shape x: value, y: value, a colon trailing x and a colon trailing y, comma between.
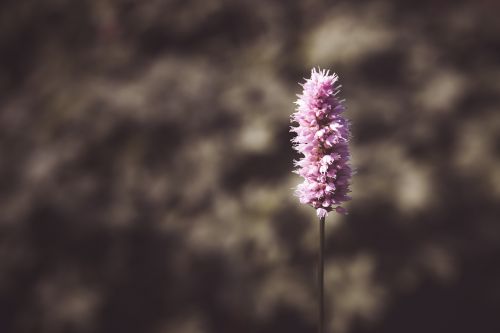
x: 145, y: 166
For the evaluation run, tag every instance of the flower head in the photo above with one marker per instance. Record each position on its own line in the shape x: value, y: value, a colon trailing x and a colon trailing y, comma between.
x: 323, y: 140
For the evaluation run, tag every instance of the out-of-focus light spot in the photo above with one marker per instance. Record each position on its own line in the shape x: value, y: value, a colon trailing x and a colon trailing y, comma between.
x: 67, y: 302
x: 376, y: 174
x: 386, y: 168
x: 438, y: 262
x: 255, y: 137
x: 190, y: 323
x: 282, y: 286
x: 348, y: 36
x: 496, y: 181
x: 353, y: 291
x: 441, y: 91
x: 475, y: 153
x: 473, y: 146
x: 42, y: 165
x: 413, y: 188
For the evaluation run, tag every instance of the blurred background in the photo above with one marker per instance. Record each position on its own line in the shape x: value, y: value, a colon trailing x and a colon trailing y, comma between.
x: 145, y: 166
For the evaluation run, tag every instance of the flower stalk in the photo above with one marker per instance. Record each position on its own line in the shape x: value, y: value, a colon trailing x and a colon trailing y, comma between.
x: 322, y: 138
x: 321, y: 265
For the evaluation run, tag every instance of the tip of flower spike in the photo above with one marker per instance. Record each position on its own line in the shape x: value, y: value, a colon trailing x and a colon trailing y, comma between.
x: 320, y: 71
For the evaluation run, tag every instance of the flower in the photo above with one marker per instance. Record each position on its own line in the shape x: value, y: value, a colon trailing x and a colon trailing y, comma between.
x: 322, y: 137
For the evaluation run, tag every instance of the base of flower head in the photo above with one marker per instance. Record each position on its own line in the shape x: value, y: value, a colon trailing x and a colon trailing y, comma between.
x: 321, y: 212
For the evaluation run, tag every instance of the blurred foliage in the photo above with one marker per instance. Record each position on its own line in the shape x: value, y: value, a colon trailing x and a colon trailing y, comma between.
x: 145, y: 166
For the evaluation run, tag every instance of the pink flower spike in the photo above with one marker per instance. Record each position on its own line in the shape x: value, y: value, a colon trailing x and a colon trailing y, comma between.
x: 322, y: 137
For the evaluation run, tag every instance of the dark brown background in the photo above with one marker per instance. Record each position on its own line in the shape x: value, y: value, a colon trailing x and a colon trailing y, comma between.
x: 145, y: 166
